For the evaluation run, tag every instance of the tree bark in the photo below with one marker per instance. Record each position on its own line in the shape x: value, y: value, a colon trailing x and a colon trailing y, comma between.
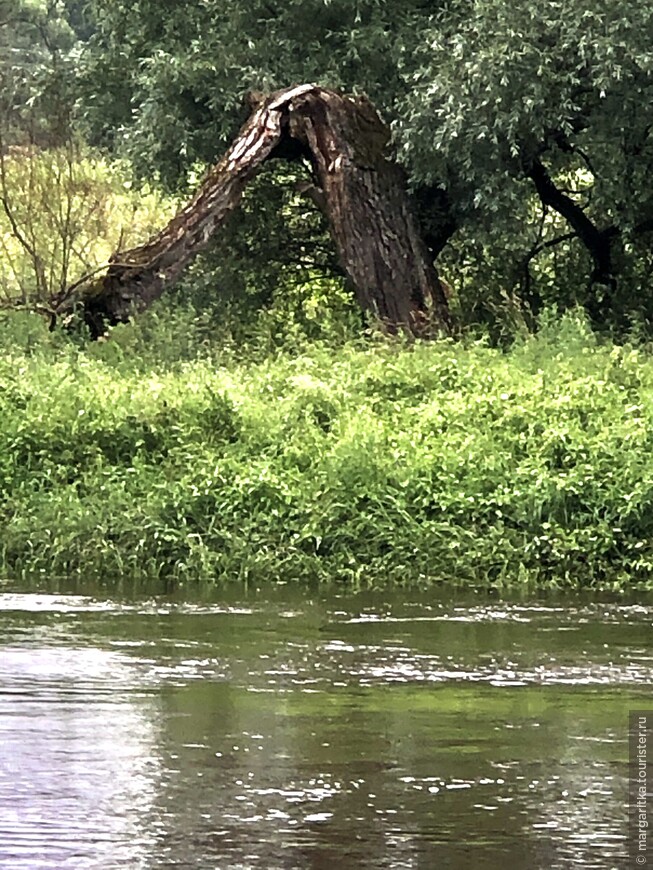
x: 361, y: 192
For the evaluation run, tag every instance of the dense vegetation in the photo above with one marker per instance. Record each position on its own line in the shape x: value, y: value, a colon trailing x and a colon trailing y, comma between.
x: 371, y: 462
x: 254, y: 425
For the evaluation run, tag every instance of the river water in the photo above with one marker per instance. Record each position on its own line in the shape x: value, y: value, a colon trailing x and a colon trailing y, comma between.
x: 286, y: 729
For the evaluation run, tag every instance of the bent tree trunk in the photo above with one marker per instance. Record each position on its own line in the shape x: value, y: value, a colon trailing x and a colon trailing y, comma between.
x: 361, y: 192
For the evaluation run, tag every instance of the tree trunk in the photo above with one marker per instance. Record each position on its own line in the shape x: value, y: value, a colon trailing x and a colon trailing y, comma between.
x: 361, y: 192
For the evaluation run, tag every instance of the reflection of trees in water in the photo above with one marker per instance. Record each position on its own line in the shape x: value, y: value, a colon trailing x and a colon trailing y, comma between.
x: 314, y: 769
x: 264, y: 747
x: 282, y: 790
x: 78, y: 761
x: 304, y: 780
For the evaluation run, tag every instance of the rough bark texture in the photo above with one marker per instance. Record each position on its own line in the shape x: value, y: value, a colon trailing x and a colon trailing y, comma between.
x: 361, y: 192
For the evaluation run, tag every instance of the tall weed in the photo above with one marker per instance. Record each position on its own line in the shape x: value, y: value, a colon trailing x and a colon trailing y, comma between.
x: 362, y: 463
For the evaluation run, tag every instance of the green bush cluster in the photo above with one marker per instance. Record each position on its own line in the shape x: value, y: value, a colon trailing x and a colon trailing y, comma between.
x: 364, y: 463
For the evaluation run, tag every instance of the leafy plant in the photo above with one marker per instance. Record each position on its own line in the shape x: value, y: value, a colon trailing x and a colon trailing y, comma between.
x: 363, y: 463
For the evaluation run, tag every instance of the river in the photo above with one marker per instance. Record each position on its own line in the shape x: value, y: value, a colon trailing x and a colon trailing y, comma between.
x: 316, y: 729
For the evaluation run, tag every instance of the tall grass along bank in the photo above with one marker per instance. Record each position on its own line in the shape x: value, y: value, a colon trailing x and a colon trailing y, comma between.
x: 371, y: 464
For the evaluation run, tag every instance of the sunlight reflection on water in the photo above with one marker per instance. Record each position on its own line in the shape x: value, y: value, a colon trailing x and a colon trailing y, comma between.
x: 78, y: 761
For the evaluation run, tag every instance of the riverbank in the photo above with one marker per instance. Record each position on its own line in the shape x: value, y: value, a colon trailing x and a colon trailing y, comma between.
x: 366, y: 464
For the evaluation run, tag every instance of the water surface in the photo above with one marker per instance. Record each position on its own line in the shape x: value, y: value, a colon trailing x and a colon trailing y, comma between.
x: 281, y: 729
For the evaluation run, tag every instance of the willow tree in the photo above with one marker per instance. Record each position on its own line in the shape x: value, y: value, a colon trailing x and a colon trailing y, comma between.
x: 527, y: 126
x: 361, y: 192
x: 524, y: 129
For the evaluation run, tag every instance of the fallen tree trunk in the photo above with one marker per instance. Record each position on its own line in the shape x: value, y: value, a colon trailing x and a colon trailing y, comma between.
x: 361, y: 192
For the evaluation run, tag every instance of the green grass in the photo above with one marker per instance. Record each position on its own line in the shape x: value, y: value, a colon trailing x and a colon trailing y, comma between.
x: 366, y: 464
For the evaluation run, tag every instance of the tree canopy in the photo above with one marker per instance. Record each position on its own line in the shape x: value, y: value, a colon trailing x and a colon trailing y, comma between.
x: 524, y: 129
